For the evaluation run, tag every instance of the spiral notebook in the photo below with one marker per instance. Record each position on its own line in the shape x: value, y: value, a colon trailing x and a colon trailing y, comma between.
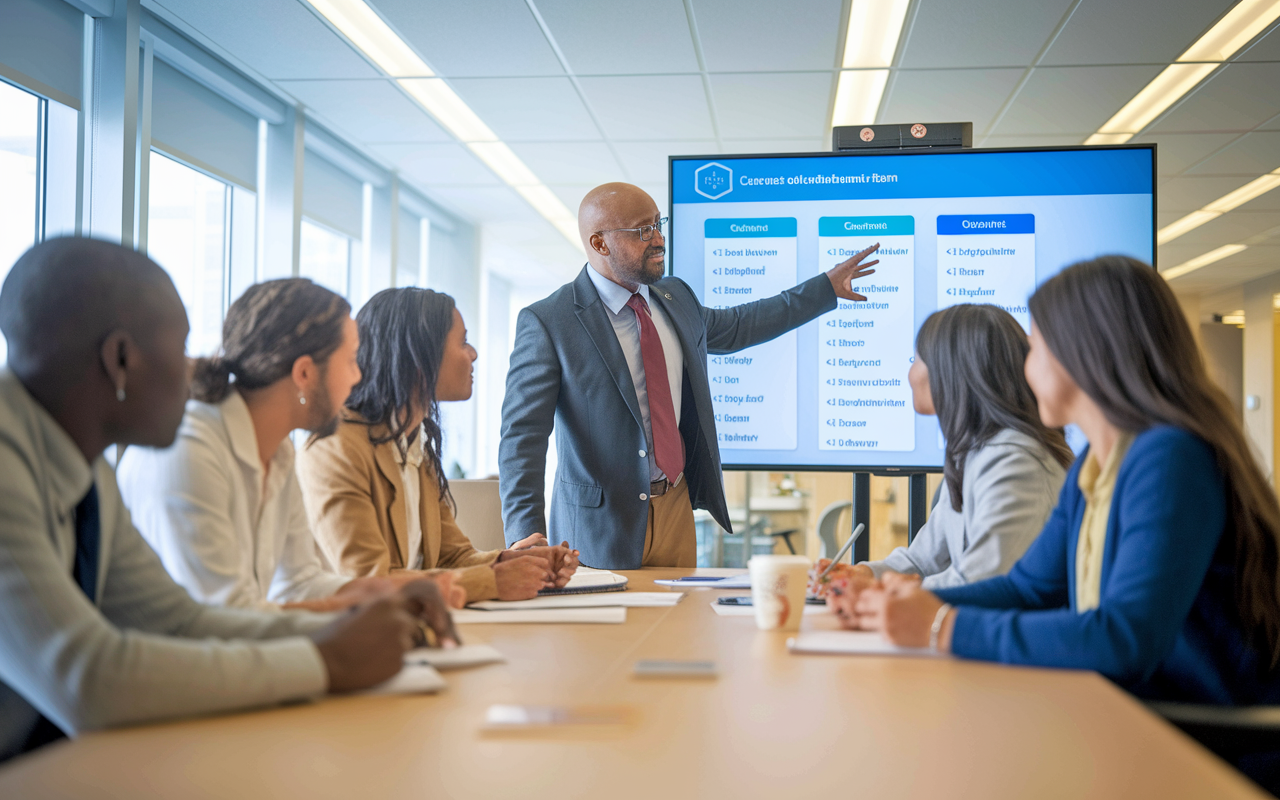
x: 587, y: 580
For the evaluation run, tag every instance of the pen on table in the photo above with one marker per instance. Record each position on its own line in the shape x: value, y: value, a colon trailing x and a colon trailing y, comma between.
x: 853, y: 538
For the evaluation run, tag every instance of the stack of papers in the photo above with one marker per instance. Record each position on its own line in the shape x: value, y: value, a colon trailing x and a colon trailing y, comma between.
x: 412, y: 679
x: 625, y: 599
x: 749, y: 611
x: 467, y: 655
x: 854, y: 643
x: 475, y: 616
x: 708, y: 582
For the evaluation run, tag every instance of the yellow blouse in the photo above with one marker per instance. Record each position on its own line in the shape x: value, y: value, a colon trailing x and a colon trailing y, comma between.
x: 1097, y: 484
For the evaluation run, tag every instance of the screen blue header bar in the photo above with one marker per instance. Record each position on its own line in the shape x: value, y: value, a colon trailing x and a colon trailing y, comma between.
x: 966, y: 174
x: 760, y: 228
x: 968, y: 224
x: 866, y: 226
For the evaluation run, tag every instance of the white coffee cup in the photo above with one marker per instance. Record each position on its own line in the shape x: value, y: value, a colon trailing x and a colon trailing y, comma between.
x: 778, y: 585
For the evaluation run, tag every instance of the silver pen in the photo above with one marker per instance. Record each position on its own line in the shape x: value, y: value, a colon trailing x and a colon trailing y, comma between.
x: 847, y: 545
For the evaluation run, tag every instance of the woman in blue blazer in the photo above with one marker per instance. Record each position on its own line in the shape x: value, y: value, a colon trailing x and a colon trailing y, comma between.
x: 1180, y: 601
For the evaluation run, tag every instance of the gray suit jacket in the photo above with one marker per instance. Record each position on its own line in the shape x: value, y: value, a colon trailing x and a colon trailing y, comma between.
x: 568, y: 369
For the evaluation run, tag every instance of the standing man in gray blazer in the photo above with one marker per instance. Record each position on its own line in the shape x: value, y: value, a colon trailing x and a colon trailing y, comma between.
x: 617, y: 361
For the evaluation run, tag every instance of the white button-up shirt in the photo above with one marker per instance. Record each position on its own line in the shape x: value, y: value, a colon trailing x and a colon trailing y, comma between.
x: 409, y: 463
x: 627, y: 329
x: 228, y: 533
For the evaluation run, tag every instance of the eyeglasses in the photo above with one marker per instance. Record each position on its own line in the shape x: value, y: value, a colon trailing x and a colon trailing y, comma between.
x: 645, y: 231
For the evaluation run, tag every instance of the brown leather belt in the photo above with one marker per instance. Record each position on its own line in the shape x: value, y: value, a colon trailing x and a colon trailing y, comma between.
x: 661, y: 487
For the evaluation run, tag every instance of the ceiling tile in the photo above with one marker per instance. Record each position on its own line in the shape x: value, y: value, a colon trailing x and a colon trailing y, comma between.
x: 1029, y: 141
x: 1237, y: 97
x: 959, y: 95
x: 478, y: 38
x: 1189, y: 193
x: 1265, y: 49
x: 437, y: 164
x: 529, y: 109
x: 647, y: 161
x: 994, y: 33
x: 570, y: 162
x: 369, y: 110
x: 278, y: 38
x: 483, y: 204
x: 1232, y: 228
x: 1248, y: 265
x: 1252, y: 155
x: 622, y: 38
x: 1063, y: 100
x: 764, y: 36
x: 1175, y: 152
x: 653, y: 107
x: 768, y: 146
x: 772, y: 105
x: 571, y: 194
x: 1110, y: 32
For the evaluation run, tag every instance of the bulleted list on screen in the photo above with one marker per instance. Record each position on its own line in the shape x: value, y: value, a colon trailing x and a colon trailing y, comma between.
x: 865, y: 348
x: 987, y: 258
x: 754, y: 390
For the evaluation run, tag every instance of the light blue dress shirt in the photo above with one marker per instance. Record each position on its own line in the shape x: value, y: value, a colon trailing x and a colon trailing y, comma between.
x: 626, y: 327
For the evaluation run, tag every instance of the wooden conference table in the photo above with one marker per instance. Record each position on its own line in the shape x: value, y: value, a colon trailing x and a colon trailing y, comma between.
x: 772, y: 725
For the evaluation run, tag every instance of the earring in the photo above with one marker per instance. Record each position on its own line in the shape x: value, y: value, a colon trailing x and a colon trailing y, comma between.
x: 120, y: 394
x: 302, y: 398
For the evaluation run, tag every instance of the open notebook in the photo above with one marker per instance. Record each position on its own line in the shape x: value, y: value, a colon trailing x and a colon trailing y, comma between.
x: 587, y: 580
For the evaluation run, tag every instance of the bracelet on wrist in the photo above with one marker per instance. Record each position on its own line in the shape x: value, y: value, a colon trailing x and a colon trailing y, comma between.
x: 936, y: 627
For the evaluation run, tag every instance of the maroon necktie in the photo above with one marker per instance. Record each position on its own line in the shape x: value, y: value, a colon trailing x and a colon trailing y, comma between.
x: 668, y: 447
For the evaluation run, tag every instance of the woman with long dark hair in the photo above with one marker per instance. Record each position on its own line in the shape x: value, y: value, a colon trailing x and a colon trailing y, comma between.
x: 1003, y: 467
x: 376, y: 492
x: 1159, y: 568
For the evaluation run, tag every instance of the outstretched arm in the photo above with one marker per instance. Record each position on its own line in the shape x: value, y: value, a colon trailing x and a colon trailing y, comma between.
x: 740, y: 327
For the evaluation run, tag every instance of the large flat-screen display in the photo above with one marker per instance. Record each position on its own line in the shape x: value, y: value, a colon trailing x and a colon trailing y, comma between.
x: 960, y: 226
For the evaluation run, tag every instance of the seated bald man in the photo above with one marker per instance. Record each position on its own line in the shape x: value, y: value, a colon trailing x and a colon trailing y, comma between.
x: 616, y: 361
x: 93, y: 631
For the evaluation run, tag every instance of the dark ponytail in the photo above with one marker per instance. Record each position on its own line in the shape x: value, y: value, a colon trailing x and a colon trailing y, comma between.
x: 269, y: 327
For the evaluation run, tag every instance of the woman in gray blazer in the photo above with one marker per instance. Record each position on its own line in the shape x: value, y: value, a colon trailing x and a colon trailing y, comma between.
x: 1003, y: 468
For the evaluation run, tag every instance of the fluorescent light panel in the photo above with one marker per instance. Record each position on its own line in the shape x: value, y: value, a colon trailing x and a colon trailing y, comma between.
x: 369, y: 33
x: 872, y: 35
x: 858, y: 96
x: 1228, y: 202
x: 1237, y: 28
x: 1202, y: 261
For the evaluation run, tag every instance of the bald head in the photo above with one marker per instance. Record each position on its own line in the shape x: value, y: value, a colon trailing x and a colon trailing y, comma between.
x: 64, y: 295
x: 96, y: 333
x: 621, y: 255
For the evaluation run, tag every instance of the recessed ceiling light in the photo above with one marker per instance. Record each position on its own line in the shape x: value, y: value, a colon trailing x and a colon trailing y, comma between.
x: 1237, y: 28
x: 1188, y: 223
x: 1202, y: 261
x: 373, y: 36
x: 1231, y: 200
x: 1167, y: 88
x: 449, y: 110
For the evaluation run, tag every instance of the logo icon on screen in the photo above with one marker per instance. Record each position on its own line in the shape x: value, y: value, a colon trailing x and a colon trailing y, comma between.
x: 713, y: 180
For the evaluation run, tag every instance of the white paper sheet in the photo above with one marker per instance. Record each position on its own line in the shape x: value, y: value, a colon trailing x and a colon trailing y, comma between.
x: 413, y: 679
x: 862, y: 643
x: 748, y: 611
x: 733, y: 582
x: 467, y: 655
x: 472, y: 616
x: 625, y: 599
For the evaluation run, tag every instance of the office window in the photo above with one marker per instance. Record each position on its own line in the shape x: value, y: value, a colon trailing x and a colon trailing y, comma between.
x: 197, y: 227
x: 412, y: 249
x: 329, y: 258
x: 37, y: 174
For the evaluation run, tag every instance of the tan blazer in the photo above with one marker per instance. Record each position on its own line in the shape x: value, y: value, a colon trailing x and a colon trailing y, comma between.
x: 354, y: 496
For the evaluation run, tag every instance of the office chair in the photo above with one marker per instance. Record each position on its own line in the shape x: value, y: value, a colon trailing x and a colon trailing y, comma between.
x: 1247, y: 737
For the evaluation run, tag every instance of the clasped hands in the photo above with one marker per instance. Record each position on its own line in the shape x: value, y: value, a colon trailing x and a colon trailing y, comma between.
x: 894, y: 604
x: 531, y: 565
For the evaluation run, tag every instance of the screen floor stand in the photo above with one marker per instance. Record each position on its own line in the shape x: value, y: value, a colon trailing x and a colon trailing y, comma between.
x: 917, y: 504
x: 861, y: 514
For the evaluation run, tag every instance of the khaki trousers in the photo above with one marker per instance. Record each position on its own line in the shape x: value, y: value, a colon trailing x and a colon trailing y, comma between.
x: 670, y: 539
